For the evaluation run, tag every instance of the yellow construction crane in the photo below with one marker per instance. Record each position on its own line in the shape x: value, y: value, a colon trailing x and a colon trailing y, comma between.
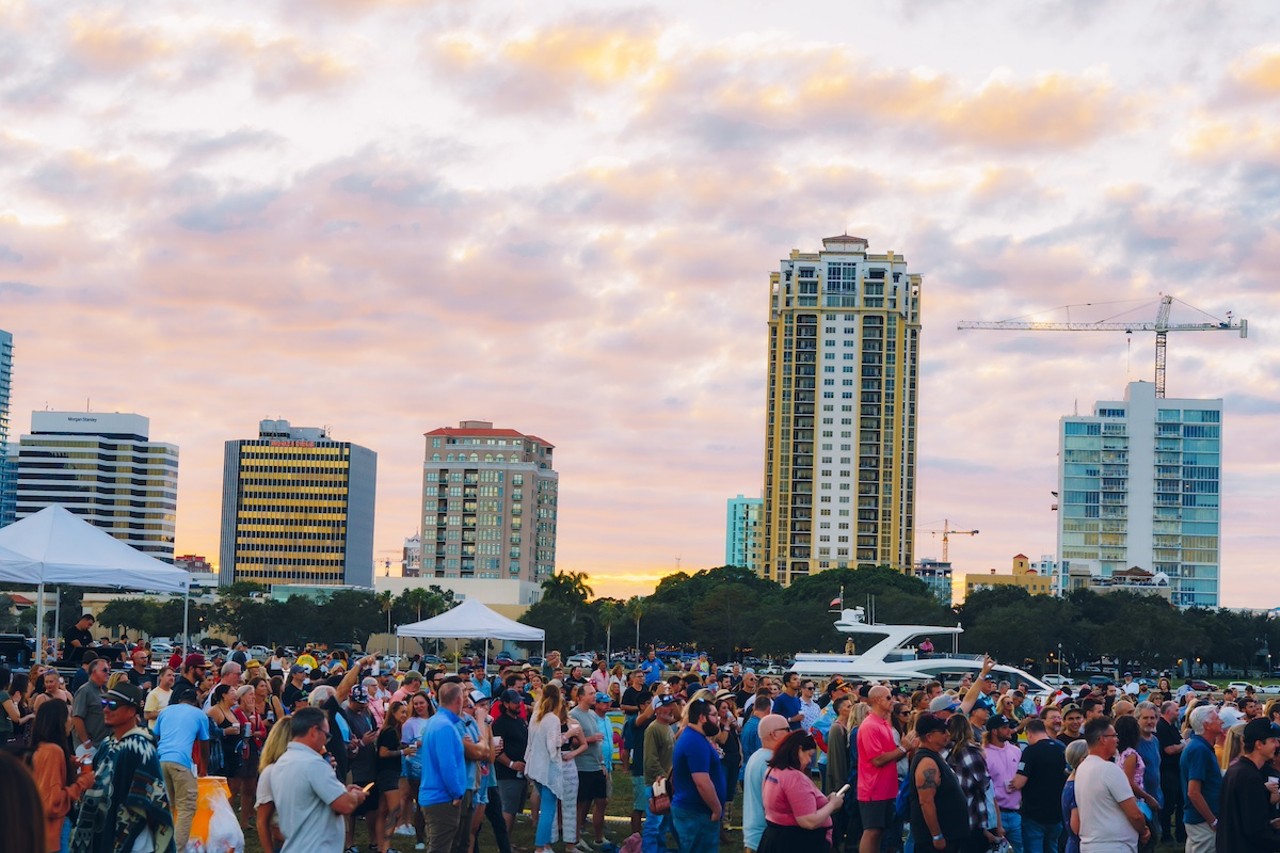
x: 1161, y: 327
x: 947, y: 533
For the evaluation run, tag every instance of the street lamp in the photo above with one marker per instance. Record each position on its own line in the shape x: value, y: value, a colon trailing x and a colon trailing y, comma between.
x: 1059, y: 662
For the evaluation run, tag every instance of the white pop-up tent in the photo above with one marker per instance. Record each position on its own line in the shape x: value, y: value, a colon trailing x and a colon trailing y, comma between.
x: 472, y: 619
x: 56, y: 547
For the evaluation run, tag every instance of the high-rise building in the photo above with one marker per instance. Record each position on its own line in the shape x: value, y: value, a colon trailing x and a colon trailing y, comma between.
x: 840, y: 435
x: 488, y: 504
x: 297, y: 508
x: 411, y: 561
x: 8, y: 456
x: 105, y: 469
x: 742, y: 532
x: 1139, y: 485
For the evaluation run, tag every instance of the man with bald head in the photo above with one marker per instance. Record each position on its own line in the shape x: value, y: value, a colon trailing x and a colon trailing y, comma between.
x: 773, y: 728
x: 878, y: 756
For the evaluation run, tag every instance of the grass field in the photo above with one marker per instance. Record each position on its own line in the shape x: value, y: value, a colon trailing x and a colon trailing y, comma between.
x: 617, y: 827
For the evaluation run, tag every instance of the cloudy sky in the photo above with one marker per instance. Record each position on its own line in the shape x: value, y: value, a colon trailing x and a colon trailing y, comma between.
x: 385, y: 217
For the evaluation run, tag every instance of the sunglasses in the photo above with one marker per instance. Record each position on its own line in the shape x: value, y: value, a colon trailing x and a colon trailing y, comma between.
x: 113, y: 705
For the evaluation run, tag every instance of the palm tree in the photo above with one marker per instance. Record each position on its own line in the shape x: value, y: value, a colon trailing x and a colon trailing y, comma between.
x: 387, y: 602
x: 607, y: 612
x: 635, y: 608
x: 570, y: 589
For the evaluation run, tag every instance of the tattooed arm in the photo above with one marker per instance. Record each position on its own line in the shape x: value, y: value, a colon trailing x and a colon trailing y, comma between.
x: 927, y: 781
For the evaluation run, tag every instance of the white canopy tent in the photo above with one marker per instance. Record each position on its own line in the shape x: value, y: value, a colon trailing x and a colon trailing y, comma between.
x: 472, y: 619
x: 55, y: 546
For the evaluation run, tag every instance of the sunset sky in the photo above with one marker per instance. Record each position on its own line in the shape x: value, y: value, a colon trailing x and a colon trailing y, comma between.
x: 386, y: 217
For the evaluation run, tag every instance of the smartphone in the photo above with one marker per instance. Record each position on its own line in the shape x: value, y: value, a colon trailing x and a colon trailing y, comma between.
x: 368, y: 788
x: 843, y: 791
x: 375, y: 667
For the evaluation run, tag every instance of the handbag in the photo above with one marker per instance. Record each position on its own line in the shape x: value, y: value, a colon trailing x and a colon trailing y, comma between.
x: 660, y: 799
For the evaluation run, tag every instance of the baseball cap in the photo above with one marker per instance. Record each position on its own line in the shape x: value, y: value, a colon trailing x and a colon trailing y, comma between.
x: 127, y: 693
x: 999, y: 721
x: 927, y: 724
x: 193, y: 659
x: 1256, y: 730
x: 477, y: 696
x: 1071, y: 708
x: 359, y: 694
x: 664, y: 701
x: 943, y: 703
x: 295, y: 669
x: 511, y: 695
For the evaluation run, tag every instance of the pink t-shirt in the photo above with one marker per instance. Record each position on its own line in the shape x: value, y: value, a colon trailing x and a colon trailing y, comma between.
x: 875, y: 737
x: 788, y: 794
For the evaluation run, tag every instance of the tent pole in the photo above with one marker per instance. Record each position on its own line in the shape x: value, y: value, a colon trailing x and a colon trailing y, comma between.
x: 186, y: 619
x: 39, y: 656
x: 57, y: 612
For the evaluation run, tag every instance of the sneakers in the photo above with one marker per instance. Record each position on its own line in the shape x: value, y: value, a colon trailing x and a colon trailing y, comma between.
x: 584, y: 846
x: 353, y: 849
x: 403, y: 829
x: 419, y: 846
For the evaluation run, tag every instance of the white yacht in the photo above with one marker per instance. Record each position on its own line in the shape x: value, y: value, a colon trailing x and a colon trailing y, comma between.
x: 895, y: 658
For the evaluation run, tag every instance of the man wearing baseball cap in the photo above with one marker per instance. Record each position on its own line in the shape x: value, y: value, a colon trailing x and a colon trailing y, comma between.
x: 193, y: 667
x: 1003, y: 757
x: 127, y: 808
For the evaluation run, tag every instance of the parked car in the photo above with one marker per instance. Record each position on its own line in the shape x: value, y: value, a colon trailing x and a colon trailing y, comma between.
x: 1100, y: 680
x: 1241, y: 686
x: 1201, y: 686
x: 1270, y: 689
x: 535, y: 661
x: 260, y: 652
x: 1055, y: 680
x: 583, y: 659
x: 504, y: 659
x: 431, y: 659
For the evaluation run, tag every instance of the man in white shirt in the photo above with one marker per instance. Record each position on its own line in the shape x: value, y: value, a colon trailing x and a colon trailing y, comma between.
x: 1110, y: 821
x: 158, y: 699
x: 310, y: 800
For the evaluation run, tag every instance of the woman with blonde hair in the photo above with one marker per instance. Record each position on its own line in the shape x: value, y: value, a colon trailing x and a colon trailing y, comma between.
x: 548, y: 760
x: 266, y: 820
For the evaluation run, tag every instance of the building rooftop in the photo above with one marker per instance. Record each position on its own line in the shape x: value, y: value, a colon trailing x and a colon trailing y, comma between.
x: 486, y: 431
x: 844, y: 238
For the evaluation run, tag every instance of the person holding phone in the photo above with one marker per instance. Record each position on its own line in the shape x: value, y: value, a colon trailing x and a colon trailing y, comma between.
x: 797, y: 814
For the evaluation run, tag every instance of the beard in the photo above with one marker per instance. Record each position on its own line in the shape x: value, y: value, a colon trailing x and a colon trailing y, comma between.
x: 710, y: 729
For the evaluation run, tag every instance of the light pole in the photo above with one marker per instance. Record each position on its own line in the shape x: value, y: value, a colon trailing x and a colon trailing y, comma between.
x: 1059, y: 662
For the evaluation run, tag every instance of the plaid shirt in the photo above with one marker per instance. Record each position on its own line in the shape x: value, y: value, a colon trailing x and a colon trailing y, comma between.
x: 970, y: 766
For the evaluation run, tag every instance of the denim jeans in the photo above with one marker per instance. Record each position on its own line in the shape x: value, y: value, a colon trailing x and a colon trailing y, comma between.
x: 696, y: 831
x: 1011, y: 822
x: 653, y: 836
x: 546, y: 816
x: 1040, y: 837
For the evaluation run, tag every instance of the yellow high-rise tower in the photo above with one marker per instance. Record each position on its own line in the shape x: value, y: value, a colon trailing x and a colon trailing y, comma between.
x: 840, y: 436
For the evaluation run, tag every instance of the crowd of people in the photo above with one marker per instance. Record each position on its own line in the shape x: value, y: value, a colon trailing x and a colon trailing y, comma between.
x: 321, y: 751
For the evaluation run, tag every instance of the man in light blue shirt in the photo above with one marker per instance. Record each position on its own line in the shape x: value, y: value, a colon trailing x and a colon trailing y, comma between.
x: 177, y: 729
x: 309, y: 799
x: 652, y: 669
x: 773, y: 729
x: 444, y: 776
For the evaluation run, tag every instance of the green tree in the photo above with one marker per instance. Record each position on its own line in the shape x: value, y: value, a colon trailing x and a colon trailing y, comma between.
x: 635, y: 608
x: 608, y: 611
x: 125, y: 614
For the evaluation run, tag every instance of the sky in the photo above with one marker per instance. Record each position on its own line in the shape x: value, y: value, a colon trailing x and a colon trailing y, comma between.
x: 387, y: 217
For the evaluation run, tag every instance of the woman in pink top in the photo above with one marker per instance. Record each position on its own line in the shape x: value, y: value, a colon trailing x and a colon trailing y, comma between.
x: 797, y: 815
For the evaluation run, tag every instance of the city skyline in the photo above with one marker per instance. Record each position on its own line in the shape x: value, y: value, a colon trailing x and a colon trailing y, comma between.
x: 386, y: 218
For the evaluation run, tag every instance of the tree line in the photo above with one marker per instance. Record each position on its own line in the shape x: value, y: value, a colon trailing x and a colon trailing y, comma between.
x: 730, y: 612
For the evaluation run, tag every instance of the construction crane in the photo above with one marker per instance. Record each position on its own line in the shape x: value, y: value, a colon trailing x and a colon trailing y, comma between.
x: 947, y: 533
x: 1161, y: 327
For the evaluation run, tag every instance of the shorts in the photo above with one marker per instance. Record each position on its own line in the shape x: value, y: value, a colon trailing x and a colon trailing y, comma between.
x: 639, y: 794
x: 387, y: 782
x: 371, y: 802
x: 592, y: 786
x: 514, y: 792
x: 877, y: 814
